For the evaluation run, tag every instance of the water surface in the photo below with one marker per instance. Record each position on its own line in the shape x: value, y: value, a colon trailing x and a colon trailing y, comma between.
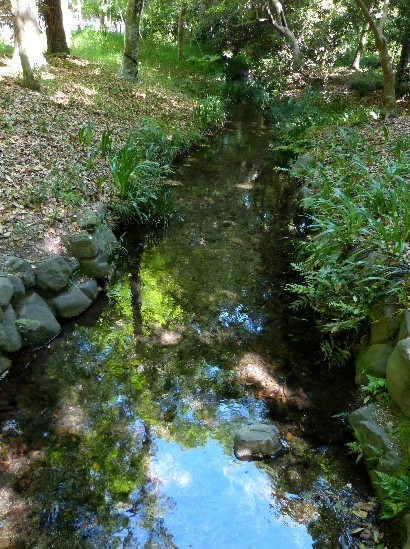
x: 121, y: 433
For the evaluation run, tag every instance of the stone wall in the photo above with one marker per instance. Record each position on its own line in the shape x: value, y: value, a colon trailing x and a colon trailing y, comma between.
x: 386, y: 356
x: 35, y: 297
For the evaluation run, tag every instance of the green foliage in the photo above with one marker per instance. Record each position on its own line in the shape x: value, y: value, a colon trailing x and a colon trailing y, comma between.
x: 360, y: 226
x: 375, y: 389
x: 85, y: 134
x: 396, y: 493
x: 6, y: 48
x: 204, y: 60
x: 366, y: 83
x: 297, y: 119
x: 209, y: 112
x: 105, y: 146
x: 100, y: 47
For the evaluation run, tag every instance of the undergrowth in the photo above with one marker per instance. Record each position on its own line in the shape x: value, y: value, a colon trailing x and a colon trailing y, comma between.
x: 356, y: 252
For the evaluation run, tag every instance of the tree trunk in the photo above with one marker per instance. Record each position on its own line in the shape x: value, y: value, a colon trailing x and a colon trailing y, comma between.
x: 56, y: 36
x: 129, y: 68
x: 385, y: 62
x: 404, y: 54
x: 360, y: 47
x: 280, y: 25
x: 28, y: 39
x: 181, y: 32
x: 80, y: 20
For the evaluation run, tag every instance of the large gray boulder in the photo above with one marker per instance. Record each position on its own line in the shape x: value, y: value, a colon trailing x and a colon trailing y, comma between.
x: 89, y: 287
x: 377, y: 447
x: 36, y: 322
x: 96, y: 267
x: 12, y: 338
x: 372, y: 361
x: 82, y: 245
x: 106, y: 240
x: 256, y: 441
x: 5, y: 364
x: 6, y: 290
x: 404, y: 326
x: 398, y: 375
x: 22, y: 268
x: 386, y: 324
x: 53, y: 274
x: 70, y: 303
x: 18, y: 287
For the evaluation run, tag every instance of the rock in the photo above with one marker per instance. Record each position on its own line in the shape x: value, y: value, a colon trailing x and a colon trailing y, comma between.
x: 407, y: 524
x: 90, y: 288
x: 6, y: 290
x: 37, y: 324
x: 96, y: 267
x: 404, y: 330
x: 386, y: 324
x: 5, y: 364
x: 53, y: 274
x: 101, y: 210
x: 256, y: 441
x: 21, y: 267
x: 73, y: 263
x: 18, y: 287
x: 372, y: 361
x: 376, y: 445
x: 302, y: 163
x: 398, y: 375
x: 106, y: 241
x: 82, y: 245
x: 71, y: 302
x: 13, y: 340
x: 88, y: 219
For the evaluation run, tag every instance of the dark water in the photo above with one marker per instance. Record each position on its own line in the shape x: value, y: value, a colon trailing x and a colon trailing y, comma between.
x: 121, y: 434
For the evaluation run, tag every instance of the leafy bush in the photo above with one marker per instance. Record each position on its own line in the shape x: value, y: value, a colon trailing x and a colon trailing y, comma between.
x: 296, y: 119
x: 144, y: 199
x: 356, y: 251
x: 366, y: 83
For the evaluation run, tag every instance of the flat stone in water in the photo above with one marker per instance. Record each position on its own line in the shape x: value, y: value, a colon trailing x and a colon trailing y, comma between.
x: 257, y: 441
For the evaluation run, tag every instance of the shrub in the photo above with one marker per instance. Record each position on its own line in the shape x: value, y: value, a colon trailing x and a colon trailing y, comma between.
x: 356, y: 251
x: 366, y: 83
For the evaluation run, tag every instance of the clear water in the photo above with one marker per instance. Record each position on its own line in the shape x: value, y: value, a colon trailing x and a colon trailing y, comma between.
x: 120, y: 435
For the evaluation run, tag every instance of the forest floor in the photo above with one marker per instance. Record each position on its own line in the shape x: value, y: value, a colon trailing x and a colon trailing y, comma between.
x: 48, y: 174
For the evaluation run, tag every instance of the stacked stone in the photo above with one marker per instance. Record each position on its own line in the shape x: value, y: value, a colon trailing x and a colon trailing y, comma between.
x: 33, y: 297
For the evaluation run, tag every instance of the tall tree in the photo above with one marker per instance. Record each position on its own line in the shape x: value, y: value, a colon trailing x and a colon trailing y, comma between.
x: 280, y: 25
x: 28, y: 39
x: 181, y: 32
x: 384, y: 57
x: 130, y: 58
x: 361, y: 46
x: 52, y: 12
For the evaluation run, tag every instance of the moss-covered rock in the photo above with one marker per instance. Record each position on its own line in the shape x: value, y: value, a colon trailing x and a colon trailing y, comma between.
x: 372, y: 361
x: 398, y: 375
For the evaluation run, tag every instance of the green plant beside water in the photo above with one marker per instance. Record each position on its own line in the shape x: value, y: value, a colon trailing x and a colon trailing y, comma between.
x: 355, y: 254
x: 209, y: 112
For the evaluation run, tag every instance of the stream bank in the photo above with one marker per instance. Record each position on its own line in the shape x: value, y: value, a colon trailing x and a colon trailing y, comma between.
x: 121, y: 434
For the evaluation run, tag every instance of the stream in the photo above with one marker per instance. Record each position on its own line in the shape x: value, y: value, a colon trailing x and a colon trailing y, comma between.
x: 120, y: 433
